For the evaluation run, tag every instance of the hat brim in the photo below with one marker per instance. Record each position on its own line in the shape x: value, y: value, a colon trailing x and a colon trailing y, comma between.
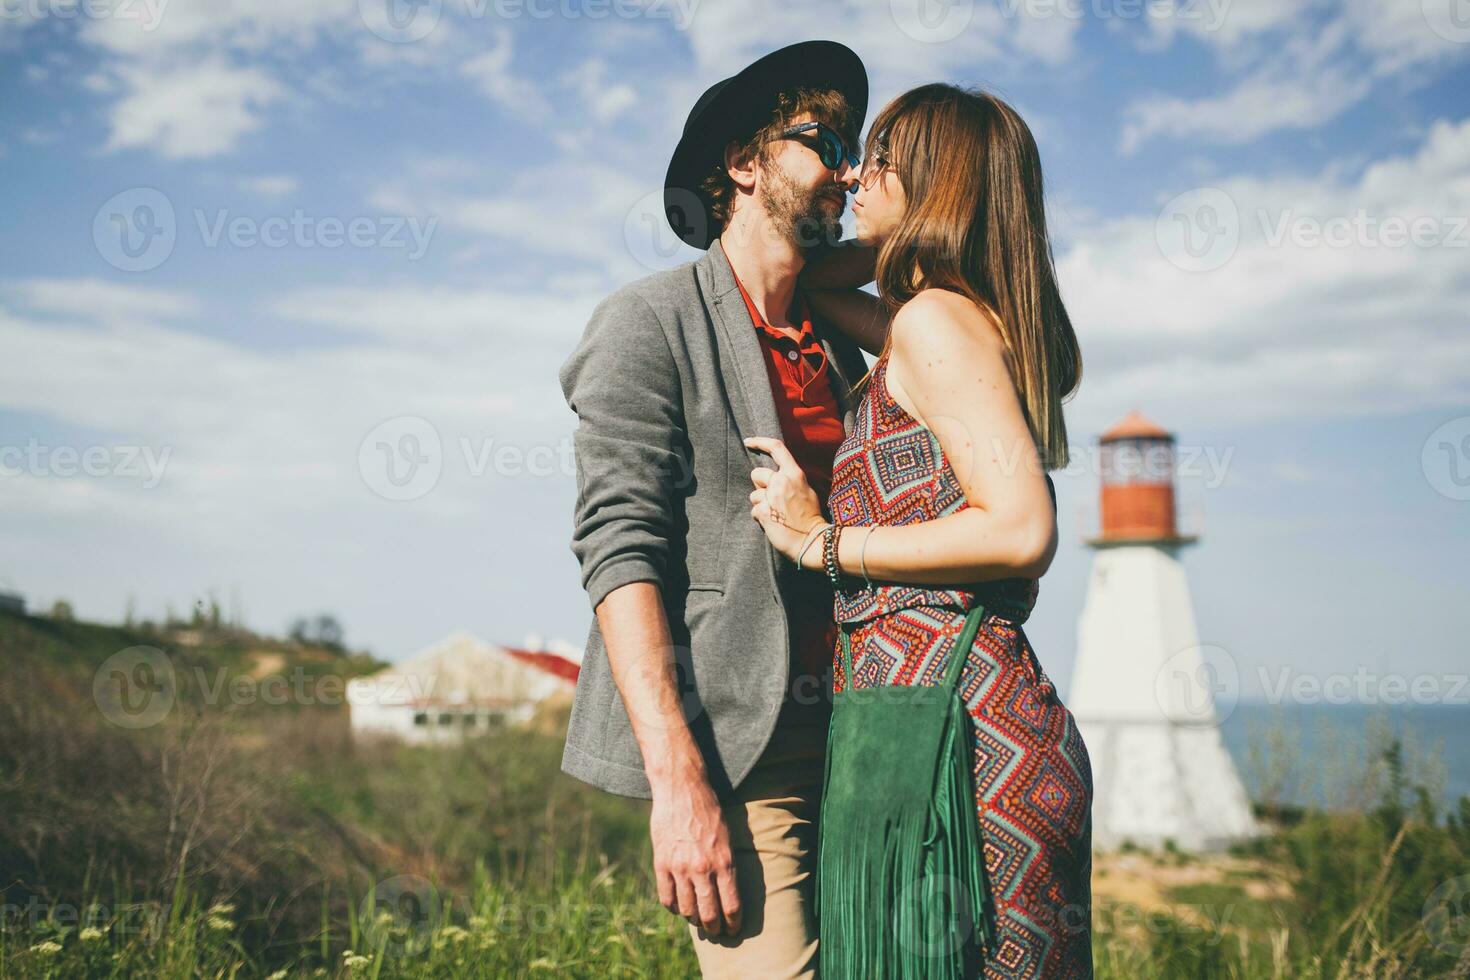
x: 744, y: 103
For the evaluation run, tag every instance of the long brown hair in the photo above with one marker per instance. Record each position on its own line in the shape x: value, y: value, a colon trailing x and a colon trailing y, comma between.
x: 976, y: 225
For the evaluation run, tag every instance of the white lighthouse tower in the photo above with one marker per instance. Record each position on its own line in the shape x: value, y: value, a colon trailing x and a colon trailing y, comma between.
x: 1143, y: 689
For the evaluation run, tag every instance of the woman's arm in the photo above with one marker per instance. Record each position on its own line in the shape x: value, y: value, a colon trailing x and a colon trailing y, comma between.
x: 832, y: 279
x: 849, y: 264
x: 950, y: 363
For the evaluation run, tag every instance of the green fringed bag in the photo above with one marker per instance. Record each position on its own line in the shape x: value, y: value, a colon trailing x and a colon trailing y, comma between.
x: 901, y: 890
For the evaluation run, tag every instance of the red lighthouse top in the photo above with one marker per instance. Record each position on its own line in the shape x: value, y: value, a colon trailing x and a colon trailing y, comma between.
x: 1135, y: 425
x: 1137, y: 496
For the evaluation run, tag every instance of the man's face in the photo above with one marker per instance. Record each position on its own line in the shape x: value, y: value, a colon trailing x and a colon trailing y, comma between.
x: 803, y: 198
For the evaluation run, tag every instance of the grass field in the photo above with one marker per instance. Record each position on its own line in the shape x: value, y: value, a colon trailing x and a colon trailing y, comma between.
x: 236, y: 836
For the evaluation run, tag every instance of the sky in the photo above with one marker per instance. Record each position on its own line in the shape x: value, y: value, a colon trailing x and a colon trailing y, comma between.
x: 285, y: 284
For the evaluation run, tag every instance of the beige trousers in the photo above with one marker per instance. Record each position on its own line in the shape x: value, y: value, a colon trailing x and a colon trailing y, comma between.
x: 772, y: 820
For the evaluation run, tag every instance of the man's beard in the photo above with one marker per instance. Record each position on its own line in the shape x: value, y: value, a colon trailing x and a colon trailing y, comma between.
x: 799, y: 213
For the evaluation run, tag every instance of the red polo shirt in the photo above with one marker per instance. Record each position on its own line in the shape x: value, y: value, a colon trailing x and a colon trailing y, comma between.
x: 811, y: 427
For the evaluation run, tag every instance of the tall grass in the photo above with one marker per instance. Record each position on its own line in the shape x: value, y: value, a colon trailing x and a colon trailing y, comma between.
x: 264, y: 842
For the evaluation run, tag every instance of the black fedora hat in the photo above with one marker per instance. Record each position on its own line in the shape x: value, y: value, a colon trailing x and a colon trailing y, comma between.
x: 742, y: 104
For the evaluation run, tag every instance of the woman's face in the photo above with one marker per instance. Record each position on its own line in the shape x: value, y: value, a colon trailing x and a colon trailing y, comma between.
x: 879, y: 203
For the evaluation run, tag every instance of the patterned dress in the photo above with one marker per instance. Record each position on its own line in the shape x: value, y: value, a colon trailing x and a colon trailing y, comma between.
x: 1033, y: 779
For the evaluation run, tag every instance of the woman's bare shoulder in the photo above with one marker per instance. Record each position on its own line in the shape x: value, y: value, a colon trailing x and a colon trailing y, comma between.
x: 937, y: 320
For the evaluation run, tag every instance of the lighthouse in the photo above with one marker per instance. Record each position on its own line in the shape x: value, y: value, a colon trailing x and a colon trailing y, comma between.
x: 1143, y: 688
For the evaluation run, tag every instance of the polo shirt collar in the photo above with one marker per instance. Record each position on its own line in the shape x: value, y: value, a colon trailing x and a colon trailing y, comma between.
x: 805, y: 330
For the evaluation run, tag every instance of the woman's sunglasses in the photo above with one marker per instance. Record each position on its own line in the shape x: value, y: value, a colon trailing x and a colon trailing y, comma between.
x: 830, y: 147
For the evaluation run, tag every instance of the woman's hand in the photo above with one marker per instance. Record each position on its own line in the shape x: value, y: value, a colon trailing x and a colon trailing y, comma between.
x: 783, y: 502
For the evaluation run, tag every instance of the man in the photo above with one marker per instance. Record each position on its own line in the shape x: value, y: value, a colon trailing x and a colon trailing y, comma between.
x: 706, y: 681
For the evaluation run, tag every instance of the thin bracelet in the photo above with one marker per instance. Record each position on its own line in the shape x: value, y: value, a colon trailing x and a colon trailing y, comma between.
x: 863, y: 555
x: 806, y: 547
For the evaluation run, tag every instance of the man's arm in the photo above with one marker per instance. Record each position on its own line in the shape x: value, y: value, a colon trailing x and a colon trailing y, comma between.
x: 692, y: 861
x: 622, y: 383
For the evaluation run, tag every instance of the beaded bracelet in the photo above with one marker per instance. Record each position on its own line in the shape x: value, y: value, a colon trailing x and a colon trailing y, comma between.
x: 829, y: 555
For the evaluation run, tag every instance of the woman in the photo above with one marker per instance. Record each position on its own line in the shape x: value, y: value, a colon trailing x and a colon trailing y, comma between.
x: 960, y: 419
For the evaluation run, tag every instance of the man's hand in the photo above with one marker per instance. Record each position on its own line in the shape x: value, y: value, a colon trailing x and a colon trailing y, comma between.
x: 691, y: 857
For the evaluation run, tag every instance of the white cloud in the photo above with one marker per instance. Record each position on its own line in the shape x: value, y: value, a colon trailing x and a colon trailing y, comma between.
x: 900, y: 42
x: 99, y: 299
x: 17, y: 17
x: 270, y: 185
x: 1297, y: 65
x: 491, y: 70
x: 1301, y: 87
x: 1225, y: 23
x: 606, y: 99
x: 1398, y: 35
x: 263, y: 445
x: 1321, y: 311
x: 572, y: 209
x: 264, y: 484
x: 155, y: 28
x: 40, y: 136
x: 1292, y: 471
x: 441, y: 317
x: 190, y: 110
x: 190, y: 77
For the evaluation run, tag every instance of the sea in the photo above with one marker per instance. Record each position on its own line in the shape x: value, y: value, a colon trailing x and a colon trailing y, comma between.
x: 1332, y: 755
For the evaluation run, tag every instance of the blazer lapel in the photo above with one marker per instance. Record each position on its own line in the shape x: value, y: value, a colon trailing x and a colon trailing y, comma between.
x: 744, y: 364
x: 744, y: 369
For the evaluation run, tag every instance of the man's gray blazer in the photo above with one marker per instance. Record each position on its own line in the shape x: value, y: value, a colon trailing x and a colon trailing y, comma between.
x: 668, y: 379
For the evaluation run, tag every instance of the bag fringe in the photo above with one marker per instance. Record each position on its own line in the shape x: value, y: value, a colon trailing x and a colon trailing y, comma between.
x: 901, y: 890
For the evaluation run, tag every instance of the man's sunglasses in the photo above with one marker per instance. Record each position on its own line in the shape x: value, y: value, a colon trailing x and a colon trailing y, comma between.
x: 830, y: 147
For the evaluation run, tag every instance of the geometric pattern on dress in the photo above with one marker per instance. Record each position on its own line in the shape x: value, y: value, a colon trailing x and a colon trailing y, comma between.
x: 1010, y: 853
x: 1033, y: 778
x: 996, y: 760
x: 890, y: 471
x: 1023, y: 948
x: 1074, y: 752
